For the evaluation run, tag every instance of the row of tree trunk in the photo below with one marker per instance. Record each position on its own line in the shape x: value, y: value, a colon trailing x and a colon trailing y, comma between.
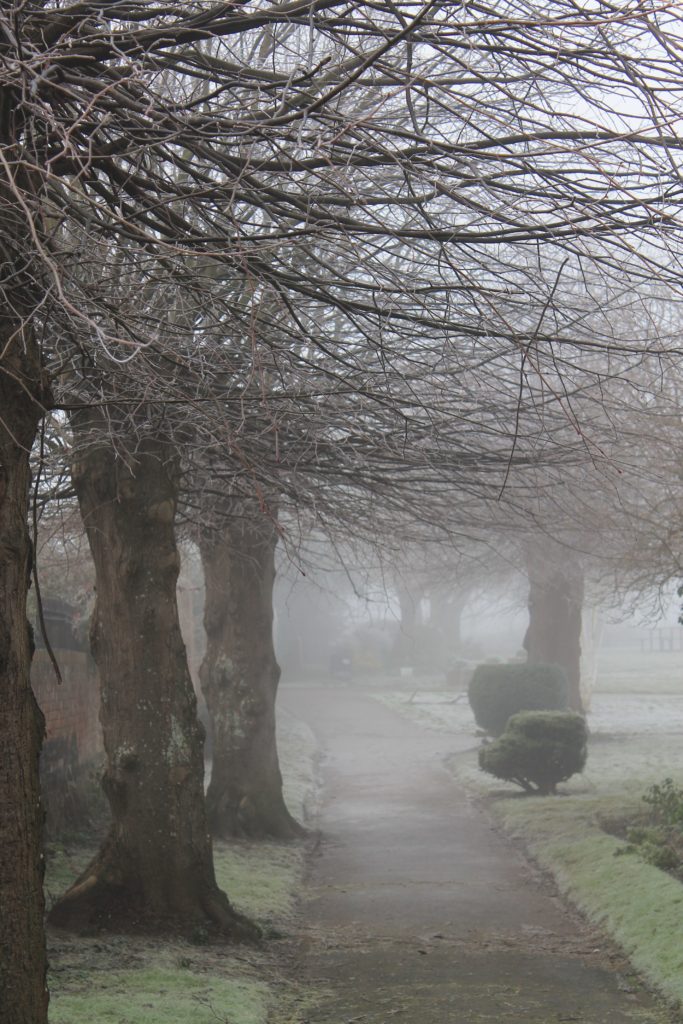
x: 553, y: 636
x: 155, y: 869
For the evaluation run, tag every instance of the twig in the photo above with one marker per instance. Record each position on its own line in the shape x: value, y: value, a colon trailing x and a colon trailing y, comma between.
x: 36, y: 583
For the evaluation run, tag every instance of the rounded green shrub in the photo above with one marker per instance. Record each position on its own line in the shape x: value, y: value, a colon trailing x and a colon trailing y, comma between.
x: 538, y: 749
x: 498, y: 691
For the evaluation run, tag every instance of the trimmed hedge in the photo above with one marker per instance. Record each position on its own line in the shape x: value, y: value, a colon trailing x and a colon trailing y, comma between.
x: 538, y: 749
x: 498, y: 691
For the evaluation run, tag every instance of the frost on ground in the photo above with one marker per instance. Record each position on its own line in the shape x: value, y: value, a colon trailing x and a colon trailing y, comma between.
x: 635, y: 735
x: 636, y: 714
x: 609, y: 714
x: 298, y: 754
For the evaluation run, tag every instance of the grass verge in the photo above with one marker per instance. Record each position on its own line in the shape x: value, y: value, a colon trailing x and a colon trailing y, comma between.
x: 636, y: 903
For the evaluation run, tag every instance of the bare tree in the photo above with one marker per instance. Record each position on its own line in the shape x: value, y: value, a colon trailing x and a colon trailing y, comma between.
x: 384, y: 162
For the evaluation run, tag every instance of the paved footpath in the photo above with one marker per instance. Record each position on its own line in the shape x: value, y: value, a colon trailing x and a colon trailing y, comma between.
x: 418, y: 910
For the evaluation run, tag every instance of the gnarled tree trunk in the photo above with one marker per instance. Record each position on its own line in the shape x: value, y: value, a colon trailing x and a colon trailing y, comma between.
x: 155, y: 869
x: 239, y: 677
x: 23, y: 990
x: 555, y: 604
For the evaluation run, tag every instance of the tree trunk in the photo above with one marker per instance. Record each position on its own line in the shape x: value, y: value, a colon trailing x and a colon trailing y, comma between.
x: 446, y: 606
x: 239, y: 677
x: 555, y: 604
x: 155, y: 869
x: 405, y: 645
x: 23, y: 990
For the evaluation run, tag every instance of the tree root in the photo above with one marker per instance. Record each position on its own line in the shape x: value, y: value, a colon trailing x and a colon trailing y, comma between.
x: 94, y: 904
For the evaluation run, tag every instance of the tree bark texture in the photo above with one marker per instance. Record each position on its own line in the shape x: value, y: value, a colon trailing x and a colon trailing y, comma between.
x: 23, y: 990
x: 555, y: 603
x: 155, y: 869
x: 239, y: 677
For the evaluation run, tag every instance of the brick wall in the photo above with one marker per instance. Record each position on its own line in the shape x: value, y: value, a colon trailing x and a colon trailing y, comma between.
x: 73, y: 742
x: 72, y: 709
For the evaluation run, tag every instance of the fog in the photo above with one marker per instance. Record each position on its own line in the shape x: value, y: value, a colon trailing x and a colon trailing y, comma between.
x: 323, y: 616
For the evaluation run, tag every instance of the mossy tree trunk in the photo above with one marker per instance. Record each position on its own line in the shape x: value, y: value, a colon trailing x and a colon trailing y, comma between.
x: 23, y: 991
x: 155, y: 869
x: 239, y: 677
x: 556, y: 589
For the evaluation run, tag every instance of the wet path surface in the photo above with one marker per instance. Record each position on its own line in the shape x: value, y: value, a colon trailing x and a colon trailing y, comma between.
x: 417, y: 909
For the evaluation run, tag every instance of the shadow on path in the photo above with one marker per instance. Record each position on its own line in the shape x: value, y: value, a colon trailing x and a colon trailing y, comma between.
x: 418, y: 910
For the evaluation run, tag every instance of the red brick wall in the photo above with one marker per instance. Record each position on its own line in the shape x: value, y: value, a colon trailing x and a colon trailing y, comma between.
x: 72, y: 709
